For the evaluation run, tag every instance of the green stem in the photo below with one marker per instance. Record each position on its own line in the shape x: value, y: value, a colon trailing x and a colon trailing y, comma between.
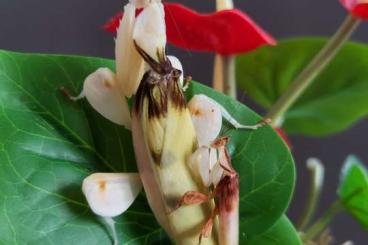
x: 323, y: 222
x: 228, y: 63
x: 319, y: 62
x: 316, y: 169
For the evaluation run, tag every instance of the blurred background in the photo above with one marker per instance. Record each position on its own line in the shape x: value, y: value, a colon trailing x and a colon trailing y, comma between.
x: 74, y: 27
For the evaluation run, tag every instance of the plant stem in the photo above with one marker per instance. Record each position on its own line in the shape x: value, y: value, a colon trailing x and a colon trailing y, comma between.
x: 229, y: 76
x: 323, y: 222
x: 318, y: 63
x: 224, y: 68
x: 317, y: 170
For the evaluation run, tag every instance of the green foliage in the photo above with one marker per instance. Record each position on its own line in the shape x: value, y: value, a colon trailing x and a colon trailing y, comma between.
x: 49, y: 144
x: 282, y: 233
x: 353, y: 190
x: 335, y: 100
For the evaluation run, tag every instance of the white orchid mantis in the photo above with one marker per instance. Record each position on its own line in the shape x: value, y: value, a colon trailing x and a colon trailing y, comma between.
x: 176, y: 148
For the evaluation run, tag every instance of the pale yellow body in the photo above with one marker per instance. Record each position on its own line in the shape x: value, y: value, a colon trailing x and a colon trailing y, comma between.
x: 166, y: 181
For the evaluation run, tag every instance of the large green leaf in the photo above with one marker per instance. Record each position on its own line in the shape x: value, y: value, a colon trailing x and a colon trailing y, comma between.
x: 353, y: 190
x: 48, y: 144
x: 282, y: 233
x: 336, y: 99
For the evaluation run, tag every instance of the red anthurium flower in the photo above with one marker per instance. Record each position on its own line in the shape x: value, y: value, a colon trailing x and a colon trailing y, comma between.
x: 225, y: 32
x: 113, y: 24
x: 358, y: 8
x: 283, y: 135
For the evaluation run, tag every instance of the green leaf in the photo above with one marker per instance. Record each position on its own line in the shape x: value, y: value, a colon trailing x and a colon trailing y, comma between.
x: 335, y: 100
x: 282, y: 233
x: 49, y: 144
x: 353, y: 190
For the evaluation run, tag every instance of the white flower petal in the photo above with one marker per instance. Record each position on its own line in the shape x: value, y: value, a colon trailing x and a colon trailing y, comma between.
x: 206, y: 117
x: 102, y: 93
x: 175, y: 62
x: 129, y: 64
x: 200, y: 164
x: 150, y: 31
x: 110, y: 194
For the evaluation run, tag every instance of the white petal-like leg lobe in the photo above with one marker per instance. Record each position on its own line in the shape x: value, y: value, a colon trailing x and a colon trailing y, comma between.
x: 207, y: 119
x: 142, y: 3
x: 200, y: 164
x: 139, y: 3
x: 129, y: 64
x: 150, y: 31
x: 216, y: 174
x: 102, y: 93
x: 111, y: 194
x: 175, y: 62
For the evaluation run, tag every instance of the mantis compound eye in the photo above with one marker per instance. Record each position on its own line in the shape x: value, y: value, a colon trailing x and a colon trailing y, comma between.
x: 178, y: 66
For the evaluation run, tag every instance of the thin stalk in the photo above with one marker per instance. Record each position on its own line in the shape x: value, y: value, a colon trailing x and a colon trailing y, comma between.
x: 229, y: 76
x: 218, y: 74
x: 318, y: 63
x: 316, y: 169
x: 323, y: 222
x: 224, y: 68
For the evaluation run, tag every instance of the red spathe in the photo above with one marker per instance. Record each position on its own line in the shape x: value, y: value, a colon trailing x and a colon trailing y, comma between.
x: 357, y: 8
x: 226, y: 32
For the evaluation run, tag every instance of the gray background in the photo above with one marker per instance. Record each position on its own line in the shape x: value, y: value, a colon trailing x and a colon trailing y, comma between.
x: 74, y: 27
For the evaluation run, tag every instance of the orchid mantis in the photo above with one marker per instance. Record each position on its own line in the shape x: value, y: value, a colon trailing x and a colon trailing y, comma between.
x: 175, y: 155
